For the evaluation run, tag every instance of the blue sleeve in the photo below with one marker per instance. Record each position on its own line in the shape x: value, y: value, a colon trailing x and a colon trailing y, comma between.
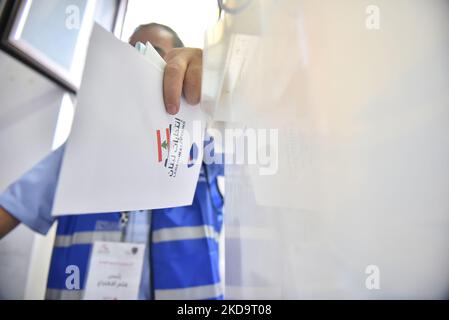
x: 30, y: 199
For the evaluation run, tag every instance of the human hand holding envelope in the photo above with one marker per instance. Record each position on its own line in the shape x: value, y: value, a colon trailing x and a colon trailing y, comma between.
x: 125, y: 152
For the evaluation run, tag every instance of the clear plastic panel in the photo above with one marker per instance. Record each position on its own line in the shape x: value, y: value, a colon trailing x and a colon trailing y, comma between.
x: 363, y: 179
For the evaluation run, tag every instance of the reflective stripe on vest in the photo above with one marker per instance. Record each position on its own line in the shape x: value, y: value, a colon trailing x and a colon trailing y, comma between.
x: 185, y: 233
x: 55, y: 294
x: 86, y: 237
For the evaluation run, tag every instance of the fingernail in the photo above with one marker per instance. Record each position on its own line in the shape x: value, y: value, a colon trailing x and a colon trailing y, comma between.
x: 172, y: 109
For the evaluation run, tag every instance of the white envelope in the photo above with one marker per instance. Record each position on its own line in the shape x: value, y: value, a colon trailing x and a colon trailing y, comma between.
x: 125, y: 152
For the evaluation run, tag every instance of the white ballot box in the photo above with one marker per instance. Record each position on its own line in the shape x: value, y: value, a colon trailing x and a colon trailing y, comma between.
x: 358, y: 94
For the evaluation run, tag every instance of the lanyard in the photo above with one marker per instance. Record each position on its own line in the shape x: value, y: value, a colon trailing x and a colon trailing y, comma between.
x: 124, y: 220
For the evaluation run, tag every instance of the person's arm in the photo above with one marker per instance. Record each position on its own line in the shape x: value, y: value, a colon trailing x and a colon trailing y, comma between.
x: 29, y: 200
x: 7, y: 223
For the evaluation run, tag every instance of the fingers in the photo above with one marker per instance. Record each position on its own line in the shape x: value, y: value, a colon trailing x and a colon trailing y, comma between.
x: 173, y: 84
x: 183, y: 75
x: 192, y: 84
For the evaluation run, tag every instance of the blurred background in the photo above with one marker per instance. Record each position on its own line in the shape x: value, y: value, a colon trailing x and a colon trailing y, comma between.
x: 190, y: 19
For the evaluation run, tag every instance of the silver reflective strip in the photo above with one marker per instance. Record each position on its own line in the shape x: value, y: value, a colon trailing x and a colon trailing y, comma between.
x: 193, y: 293
x: 185, y: 233
x: 55, y: 294
x: 86, y: 238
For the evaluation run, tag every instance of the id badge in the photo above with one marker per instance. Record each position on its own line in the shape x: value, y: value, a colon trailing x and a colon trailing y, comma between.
x: 116, y: 266
x: 115, y: 271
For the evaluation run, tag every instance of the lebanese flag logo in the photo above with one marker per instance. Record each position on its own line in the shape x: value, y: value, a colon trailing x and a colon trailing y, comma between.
x: 163, y: 145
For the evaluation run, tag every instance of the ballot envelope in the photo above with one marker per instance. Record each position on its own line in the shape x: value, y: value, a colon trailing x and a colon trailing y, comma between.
x: 125, y: 152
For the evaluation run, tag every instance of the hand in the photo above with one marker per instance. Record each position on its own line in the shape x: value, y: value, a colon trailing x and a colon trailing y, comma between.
x: 182, y: 76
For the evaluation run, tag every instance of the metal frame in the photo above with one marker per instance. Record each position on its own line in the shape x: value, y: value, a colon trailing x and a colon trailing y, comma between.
x: 34, y: 58
x: 5, y: 7
x: 120, y: 18
x: 13, y: 15
x: 2, y: 6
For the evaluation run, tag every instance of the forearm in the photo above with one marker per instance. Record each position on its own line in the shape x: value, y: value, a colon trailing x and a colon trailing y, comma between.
x: 7, y: 222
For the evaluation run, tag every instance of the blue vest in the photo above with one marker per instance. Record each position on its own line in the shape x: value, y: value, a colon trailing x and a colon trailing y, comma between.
x: 182, y: 246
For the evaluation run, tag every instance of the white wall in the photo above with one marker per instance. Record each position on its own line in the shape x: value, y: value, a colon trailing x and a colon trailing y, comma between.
x: 29, y: 108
